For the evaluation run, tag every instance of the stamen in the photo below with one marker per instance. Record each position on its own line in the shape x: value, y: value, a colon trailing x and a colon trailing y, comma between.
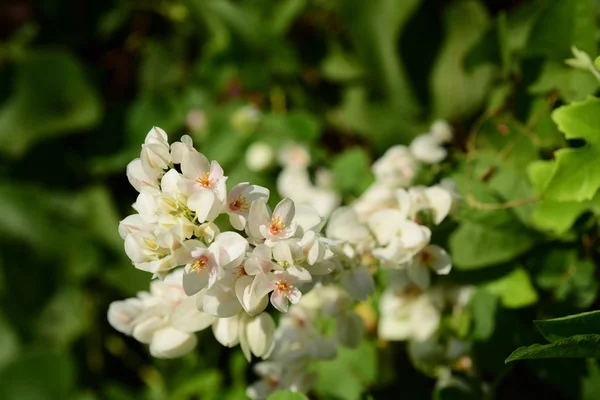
x: 276, y: 226
x: 239, y: 204
x: 199, y: 264
x: 205, y: 180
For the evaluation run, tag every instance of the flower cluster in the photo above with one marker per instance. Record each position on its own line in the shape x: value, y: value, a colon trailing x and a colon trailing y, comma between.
x: 224, y: 279
x: 302, y: 338
x: 228, y: 275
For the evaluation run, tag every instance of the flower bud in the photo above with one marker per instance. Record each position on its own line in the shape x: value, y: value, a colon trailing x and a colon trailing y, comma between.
x: 137, y: 176
x: 122, y: 315
x: 226, y: 330
x: 171, y: 343
x: 261, y: 334
x: 441, y: 130
x: 155, y: 153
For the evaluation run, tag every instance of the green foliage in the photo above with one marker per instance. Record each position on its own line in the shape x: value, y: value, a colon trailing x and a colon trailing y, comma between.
x: 578, y: 346
x: 346, y: 80
x: 576, y: 174
x: 287, y: 395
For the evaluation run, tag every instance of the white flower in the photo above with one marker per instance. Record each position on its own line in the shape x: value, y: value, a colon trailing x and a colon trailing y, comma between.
x: 378, y: 196
x: 436, y: 199
x: 260, y: 334
x: 294, y: 182
x: 441, y: 130
x: 428, y: 149
x: 279, y: 376
x: 205, y: 263
x: 259, y: 156
x: 407, y: 312
x: 272, y: 227
x: 294, y: 155
x: 164, y: 318
x: 152, y: 253
x: 239, y: 200
x: 344, y: 225
x: 155, y: 155
x: 138, y: 178
x: 226, y: 330
x: 245, y: 119
x: 282, y: 284
x: 431, y: 258
x: 397, y: 167
x: 398, y: 238
x: 122, y: 315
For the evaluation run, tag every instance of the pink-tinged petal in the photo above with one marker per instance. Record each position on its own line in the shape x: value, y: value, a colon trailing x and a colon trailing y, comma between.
x: 213, y: 274
x: 294, y: 295
x: 279, y: 301
x: 216, y: 172
x: 262, y: 285
x: 194, y: 164
x: 298, y: 274
x: 236, y: 191
x: 285, y: 211
x: 144, y: 331
x: 419, y: 274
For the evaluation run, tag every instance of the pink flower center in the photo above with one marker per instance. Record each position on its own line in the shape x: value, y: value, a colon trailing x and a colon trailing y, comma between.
x: 205, y: 180
x: 276, y: 226
x: 199, y: 264
x: 239, y: 204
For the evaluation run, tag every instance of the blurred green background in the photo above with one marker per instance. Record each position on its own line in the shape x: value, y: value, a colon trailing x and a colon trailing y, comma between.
x: 82, y: 82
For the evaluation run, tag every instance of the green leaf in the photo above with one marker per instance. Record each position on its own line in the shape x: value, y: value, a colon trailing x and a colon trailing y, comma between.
x: 561, y: 328
x: 514, y: 289
x: 572, y: 84
x: 340, y: 66
x: 352, y: 170
x: 51, y: 97
x: 475, y: 245
x: 375, y: 28
x: 10, y: 345
x: 577, y: 173
x: 483, y: 306
x: 64, y: 319
x: 287, y: 395
x: 349, y: 374
x: 456, y: 92
x: 561, y: 25
x: 552, y: 215
x: 44, y: 375
x: 571, y: 279
x: 578, y: 346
